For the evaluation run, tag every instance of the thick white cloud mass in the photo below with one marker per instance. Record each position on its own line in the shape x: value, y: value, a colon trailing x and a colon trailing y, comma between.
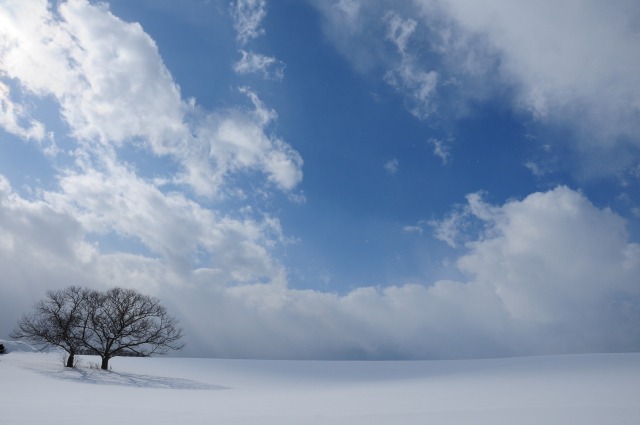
x: 550, y: 273
x: 86, y: 61
x: 547, y: 274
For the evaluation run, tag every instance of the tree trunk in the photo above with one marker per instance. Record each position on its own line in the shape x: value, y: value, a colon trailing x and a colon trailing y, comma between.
x: 105, y: 363
x: 70, y: 359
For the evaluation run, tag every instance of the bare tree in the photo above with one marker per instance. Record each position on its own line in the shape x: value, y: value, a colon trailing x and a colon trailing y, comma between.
x: 125, y: 321
x: 112, y: 323
x: 56, y: 321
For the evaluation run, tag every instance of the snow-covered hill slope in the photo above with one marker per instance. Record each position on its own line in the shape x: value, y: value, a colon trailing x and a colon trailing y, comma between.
x: 574, y: 389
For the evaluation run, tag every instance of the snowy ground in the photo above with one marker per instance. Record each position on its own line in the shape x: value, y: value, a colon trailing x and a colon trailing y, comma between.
x: 575, y: 389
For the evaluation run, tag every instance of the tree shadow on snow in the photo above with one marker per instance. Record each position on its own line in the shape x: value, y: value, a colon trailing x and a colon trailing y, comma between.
x: 104, y: 377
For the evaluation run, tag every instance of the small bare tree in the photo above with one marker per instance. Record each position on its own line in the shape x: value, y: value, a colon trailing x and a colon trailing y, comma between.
x: 125, y: 321
x: 56, y: 321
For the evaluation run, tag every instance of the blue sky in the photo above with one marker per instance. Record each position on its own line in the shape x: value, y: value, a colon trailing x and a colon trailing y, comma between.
x: 330, y: 179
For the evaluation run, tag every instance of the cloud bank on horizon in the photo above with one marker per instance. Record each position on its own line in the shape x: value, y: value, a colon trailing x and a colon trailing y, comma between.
x: 112, y: 176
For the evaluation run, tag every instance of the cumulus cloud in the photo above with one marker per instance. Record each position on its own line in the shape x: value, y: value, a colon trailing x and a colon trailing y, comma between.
x: 171, y: 226
x: 550, y: 273
x: 113, y: 87
x: 85, y: 60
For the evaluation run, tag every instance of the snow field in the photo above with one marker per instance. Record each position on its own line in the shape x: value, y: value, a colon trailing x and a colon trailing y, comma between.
x: 572, y: 389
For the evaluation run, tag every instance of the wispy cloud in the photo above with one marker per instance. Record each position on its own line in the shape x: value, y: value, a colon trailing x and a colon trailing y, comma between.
x: 256, y: 63
x: 580, y: 75
x: 441, y: 149
x: 247, y: 16
x: 392, y: 166
x: 416, y: 84
x: 399, y: 30
x: 417, y: 228
x: 14, y: 119
x: 535, y: 168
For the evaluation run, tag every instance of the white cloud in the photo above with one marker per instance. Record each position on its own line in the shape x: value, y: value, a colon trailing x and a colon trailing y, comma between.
x: 464, y: 223
x: 418, y: 228
x: 52, y: 233
x: 87, y: 61
x: 559, y: 262
x: 399, y: 30
x: 247, y: 16
x: 13, y: 117
x: 573, y: 63
x: 180, y: 231
x: 44, y: 242
x: 112, y: 86
x: 255, y: 63
x: 392, y: 166
x: 536, y: 169
x: 113, y: 90
x: 451, y: 229
x: 441, y: 149
x: 547, y: 274
x: 238, y: 141
x: 564, y: 63
x: 417, y: 85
